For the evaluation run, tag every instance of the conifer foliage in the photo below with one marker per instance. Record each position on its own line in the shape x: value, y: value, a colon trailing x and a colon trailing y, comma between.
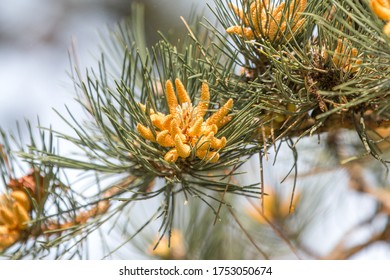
x: 170, y: 126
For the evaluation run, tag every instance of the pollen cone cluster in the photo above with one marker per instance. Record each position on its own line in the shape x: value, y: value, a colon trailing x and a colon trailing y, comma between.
x: 382, y: 9
x: 14, y: 216
x: 276, y: 208
x: 184, y: 129
x: 269, y: 22
x: 345, y: 58
x: 175, y: 249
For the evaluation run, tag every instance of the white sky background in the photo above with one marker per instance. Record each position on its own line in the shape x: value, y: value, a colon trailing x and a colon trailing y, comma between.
x: 35, y: 36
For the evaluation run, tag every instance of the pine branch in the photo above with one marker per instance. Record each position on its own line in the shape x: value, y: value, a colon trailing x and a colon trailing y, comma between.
x: 176, y: 121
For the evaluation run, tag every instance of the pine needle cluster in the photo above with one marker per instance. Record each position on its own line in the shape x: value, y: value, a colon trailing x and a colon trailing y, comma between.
x: 270, y: 71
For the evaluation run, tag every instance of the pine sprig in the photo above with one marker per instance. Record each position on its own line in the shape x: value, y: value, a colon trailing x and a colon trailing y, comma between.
x: 46, y: 194
x: 108, y: 145
x: 276, y: 71
x: 335, y: 67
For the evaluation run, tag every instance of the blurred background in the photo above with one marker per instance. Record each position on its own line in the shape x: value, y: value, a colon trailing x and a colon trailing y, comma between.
x: 36, y: 35
x: 35, y: 39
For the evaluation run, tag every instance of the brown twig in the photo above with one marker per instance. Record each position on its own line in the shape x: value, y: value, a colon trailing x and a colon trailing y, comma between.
x: 276, y: 230
x: 341, y: 252
x: 343, y: 120
x: 101, y: 207
x: 247, y: 234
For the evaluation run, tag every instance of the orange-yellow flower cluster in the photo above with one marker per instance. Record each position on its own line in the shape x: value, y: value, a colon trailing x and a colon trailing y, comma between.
x: 345, y: 58
x: 14, y: 217
x: 184, y: 129
x: 267, y: 21
x: 175, y: 251
x: 275, y: 208
x: 382, y: 9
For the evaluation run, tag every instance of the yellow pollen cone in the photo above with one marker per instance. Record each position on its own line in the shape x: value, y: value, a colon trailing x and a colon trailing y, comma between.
x: 208, y: 155
x: 386, y: 29
x: 7, y: 217
x: 196, y: 129
x: 210, y: 128
x: 158, y: 121
x: 165, y: 139
x: 247, y: 32
x: 22, y: 198
x: 145, y: 132
x: 221, y: 113
x: 205, y: 142
x: 21, y: 216
x: 175, y: 130
x: 183, y: 150
x: 171, y: 97
x: 182, y: 93
x: 380, y: 9
x: 204, y: 101
x: 218, y: 143
x: 171, y: 156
